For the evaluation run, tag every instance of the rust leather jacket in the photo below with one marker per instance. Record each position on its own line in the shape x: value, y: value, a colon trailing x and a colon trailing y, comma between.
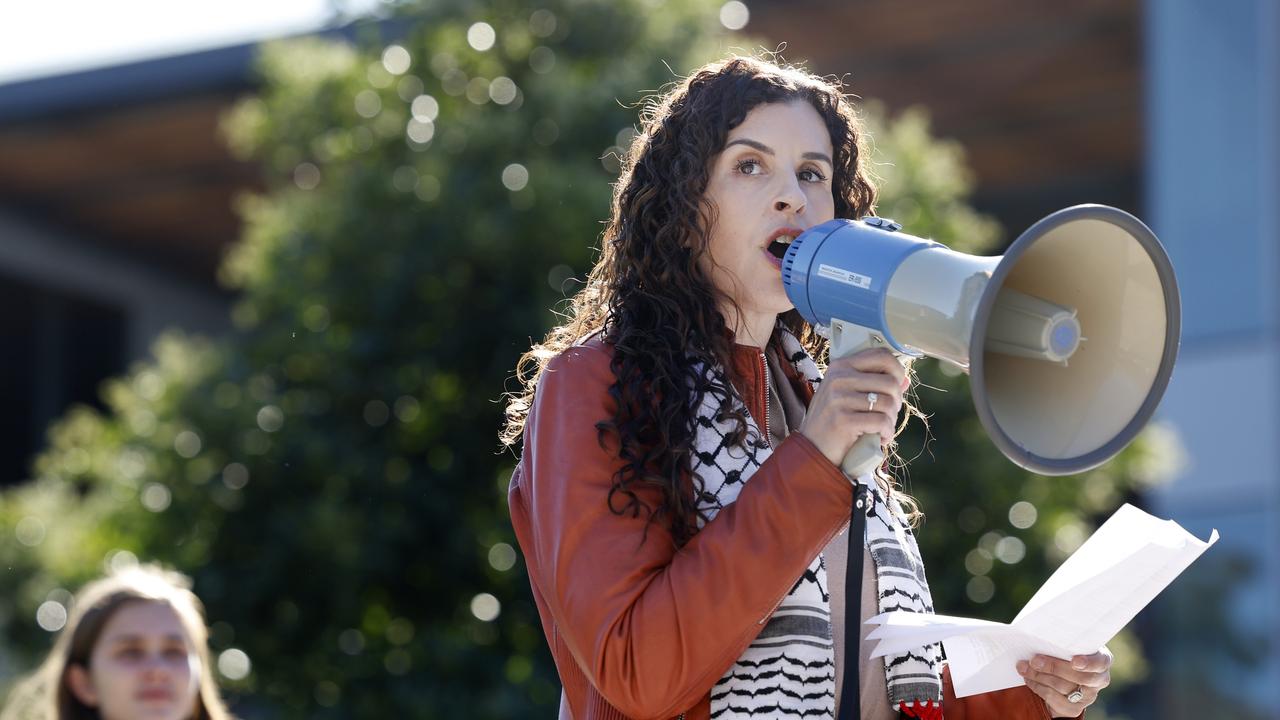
x: 639, y: 629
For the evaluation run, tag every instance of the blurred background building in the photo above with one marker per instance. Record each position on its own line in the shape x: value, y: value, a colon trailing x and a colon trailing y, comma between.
x: 116, y: 203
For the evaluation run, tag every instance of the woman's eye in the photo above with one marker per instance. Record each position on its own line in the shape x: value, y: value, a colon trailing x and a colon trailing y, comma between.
x: 176, y: 654
x: 129, y: 653
x: 812, y: 176
x: 749, y: 167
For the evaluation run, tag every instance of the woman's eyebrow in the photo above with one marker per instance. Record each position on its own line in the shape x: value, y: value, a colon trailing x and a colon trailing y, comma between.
x: 128, y: 638
x: 125, y: 639
x: 769, y: 151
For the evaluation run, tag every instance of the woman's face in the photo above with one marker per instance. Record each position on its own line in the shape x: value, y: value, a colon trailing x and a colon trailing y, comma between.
x: 143, y: 666
x: 772, y: 179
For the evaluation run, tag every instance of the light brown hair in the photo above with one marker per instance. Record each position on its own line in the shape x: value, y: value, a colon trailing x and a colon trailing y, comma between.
x: 46, y: 694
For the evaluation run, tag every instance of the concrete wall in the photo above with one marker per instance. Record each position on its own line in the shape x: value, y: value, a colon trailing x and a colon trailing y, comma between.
x: 1213, y: 179
x: 151, y: 300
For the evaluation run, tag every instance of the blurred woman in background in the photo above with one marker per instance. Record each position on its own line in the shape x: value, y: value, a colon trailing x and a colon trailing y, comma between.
x: 135, y: 646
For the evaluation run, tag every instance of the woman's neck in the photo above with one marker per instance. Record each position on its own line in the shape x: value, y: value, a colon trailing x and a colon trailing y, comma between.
x: 753, y: 329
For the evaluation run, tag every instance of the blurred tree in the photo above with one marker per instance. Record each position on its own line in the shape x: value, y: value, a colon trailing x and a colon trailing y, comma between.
x: 328, y: 473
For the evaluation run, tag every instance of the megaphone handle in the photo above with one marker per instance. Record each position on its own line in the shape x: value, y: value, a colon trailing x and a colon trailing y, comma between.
x: 846, y: 339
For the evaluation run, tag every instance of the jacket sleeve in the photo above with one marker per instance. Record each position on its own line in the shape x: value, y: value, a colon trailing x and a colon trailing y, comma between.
x: 1016, y: 703
x: 651, y: 627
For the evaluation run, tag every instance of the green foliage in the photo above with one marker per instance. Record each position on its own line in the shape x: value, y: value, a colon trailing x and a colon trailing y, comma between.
x: 329, y: 474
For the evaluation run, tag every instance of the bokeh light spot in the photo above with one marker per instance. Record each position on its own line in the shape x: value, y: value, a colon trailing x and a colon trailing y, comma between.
x: 542, y: 59
x: 409, y: 87
x: 396, y: 60
x: 978, y: 562
x: 30, y: 531
x: 400, y: 631
x: 485, y: 607
x: 502, y: 557
x: 425, y: 108
x: 420, y: 131
x: 351, y: 641
x: 51, y: 616
x: 120, y: 560
x: 156, y: 497
x: 404, y: 179
x: 234, y: 664
x: 376, y: 413
x: 316, y: 318
x: 378, y: 75
x: 560, y: 277
x: 428, y: 188
x: 187, y: 444
x: 368, y: 104
x: 270, y: 418
x: 502, y: 90
x: 545, y: 132
x: 478, y: 90
x: 235, y: 476
x: 1022, y: 515
x: 515, y: 177
x: 481, y: 36
x: 407, y: 408
x: 1011, y: 550
x: 1069, y: 538
x: 734, y: 15
x: 980, y: 589
x: 542, y: 23
x: 306, y: 176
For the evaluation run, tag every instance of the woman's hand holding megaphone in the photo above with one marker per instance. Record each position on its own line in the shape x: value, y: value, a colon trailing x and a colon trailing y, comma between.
x: 842, y: 409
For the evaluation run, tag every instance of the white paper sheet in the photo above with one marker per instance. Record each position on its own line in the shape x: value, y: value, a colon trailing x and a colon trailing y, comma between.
x: 1090, y: 598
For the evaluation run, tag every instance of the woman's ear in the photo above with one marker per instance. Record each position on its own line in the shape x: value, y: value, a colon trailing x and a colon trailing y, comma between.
x: 81, y: 685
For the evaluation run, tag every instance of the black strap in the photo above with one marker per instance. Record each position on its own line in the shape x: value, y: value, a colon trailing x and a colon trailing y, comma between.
x: 850, y: 702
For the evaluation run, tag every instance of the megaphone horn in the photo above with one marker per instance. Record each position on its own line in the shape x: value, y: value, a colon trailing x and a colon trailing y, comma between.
x: 1069, y: 338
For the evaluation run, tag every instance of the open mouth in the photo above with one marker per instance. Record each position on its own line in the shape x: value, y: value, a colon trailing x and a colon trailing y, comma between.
x: 778, y: 248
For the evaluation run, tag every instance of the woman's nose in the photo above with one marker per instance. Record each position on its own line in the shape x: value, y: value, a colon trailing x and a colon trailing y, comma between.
x: 789, y: 199
x: 156, y: 667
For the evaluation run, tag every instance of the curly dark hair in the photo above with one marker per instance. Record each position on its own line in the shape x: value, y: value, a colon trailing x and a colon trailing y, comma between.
x: 648, y: 293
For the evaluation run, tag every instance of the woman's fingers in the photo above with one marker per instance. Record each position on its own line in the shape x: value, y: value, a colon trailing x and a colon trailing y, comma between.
x: 878, y: 360
x: 1055, y: 680
x: 1096, y: 663
x: 860, y: 394
x: 1057, y: 702
x: 1044, y: 668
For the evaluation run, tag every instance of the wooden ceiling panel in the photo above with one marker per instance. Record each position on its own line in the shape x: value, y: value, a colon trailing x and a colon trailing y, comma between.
x: 1038, y: 93
x: 58, y: 157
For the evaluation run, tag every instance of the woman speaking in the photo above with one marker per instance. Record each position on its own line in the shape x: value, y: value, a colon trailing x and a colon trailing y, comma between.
x: 678, y: 499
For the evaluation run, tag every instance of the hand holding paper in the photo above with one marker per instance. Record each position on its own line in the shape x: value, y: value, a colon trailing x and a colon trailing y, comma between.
x: 1090, y: 598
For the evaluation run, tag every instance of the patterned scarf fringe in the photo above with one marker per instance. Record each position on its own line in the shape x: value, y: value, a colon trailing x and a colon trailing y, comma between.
x: 931, y: 710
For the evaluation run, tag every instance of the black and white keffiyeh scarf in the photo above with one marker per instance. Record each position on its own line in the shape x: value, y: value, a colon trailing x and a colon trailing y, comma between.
x: 789, y: 670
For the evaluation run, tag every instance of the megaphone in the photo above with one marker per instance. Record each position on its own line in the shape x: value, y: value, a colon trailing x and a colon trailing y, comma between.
x: 1069, y: 338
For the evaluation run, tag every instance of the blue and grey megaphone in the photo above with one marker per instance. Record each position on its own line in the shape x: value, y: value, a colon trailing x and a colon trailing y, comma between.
x: 1069, y: 338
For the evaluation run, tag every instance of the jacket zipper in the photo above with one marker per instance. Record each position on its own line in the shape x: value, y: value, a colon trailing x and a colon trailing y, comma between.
x: 764, y: 365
